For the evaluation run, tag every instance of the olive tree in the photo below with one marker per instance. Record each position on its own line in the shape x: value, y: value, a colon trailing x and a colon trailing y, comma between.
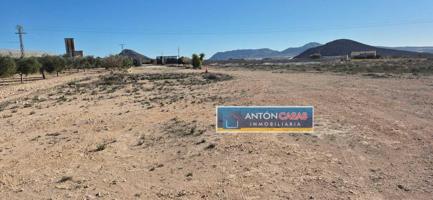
x: 196, y: 62
x: 77, y: 63
x: 51, y: 64
x: 7, y: 66
x: 90, y: 61
x: 26, y: 66
x: 117, y: 62
x: 59, y: 64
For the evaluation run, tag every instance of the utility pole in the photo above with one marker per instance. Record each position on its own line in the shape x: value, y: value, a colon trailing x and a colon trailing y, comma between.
x: 20, y: 32
x: 122, y: 45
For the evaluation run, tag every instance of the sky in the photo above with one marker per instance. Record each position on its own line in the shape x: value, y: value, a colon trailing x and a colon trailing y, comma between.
x: 160, y: 27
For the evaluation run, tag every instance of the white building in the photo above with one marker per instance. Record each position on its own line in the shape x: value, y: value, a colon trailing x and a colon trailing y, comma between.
x: 363, y: 54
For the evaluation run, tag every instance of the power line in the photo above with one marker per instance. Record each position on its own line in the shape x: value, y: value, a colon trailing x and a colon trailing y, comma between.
x: 20, y: 35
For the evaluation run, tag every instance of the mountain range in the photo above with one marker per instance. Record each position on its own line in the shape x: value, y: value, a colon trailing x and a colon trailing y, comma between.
x: 263, y: 53
x: 334, y: 48
x: 413, y: 49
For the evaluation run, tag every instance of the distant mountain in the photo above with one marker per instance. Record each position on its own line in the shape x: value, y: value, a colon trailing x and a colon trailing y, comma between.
x: 245, y: 54
x: 413, y: 49
x: 292, y: 52
x: 137, y: 57
x: 262, y: 53
x: 345, y: 47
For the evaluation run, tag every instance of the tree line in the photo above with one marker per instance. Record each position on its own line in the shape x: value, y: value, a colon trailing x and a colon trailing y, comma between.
x: 56, y: 64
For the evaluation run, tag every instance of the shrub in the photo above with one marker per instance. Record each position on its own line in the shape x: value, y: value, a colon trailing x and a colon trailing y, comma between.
x: 117, y: 62
x: 26, y: 66
x: 7, y: 66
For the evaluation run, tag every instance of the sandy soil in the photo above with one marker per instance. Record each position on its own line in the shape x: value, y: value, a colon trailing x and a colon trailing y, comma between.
x: 147, y: 135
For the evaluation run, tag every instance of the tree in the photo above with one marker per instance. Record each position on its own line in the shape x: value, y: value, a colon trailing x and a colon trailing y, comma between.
x: 59, y: 64
x: 51, y: 64
x: 84, y: 64
x: 92, y: 62
x: 77, y: 63
x: 7, y: 66
x: 26, y: 66
x: 47, y: 65
x: 69, y: 65
x: 117, y: 62
x: 98, y: 62
x: 196, y: 61
x: 202, y: 57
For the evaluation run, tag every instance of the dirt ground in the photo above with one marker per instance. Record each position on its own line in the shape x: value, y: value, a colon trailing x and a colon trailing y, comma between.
x: 150, y: 134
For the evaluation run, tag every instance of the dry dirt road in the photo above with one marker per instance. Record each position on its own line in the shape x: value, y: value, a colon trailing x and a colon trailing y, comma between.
x: 150, y: 135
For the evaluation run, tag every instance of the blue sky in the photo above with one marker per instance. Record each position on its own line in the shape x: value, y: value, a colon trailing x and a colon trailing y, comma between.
x: 155, y: 27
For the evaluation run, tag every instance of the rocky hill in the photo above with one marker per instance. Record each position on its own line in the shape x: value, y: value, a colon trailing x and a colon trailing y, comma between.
x: 345, y: 47
x: 137, y: 57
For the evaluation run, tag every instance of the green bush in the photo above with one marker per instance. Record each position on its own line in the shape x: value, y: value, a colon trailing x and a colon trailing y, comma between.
x: 7, y: 66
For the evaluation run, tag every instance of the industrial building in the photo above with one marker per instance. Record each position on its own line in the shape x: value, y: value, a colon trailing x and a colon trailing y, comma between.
x: 70, y: 49
x: 163, y: 60
x: 363, y: 54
